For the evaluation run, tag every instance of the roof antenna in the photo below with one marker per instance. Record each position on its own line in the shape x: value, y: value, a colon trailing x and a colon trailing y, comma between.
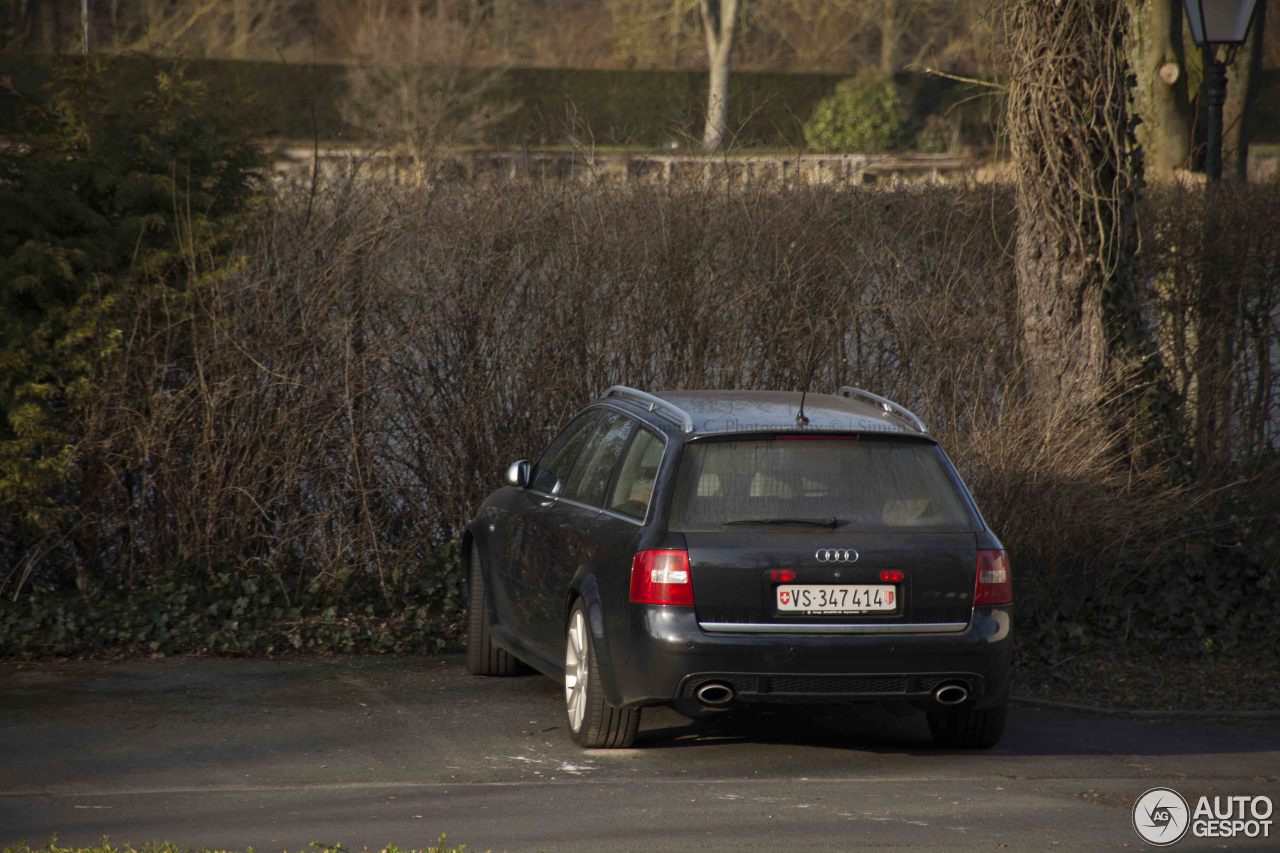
x: 801, y: 419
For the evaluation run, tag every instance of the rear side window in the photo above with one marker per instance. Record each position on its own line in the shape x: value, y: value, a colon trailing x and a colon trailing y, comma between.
x: 556, y: 461
x: 598, y: 460
x: 634, y: 487
x: 863, y: 484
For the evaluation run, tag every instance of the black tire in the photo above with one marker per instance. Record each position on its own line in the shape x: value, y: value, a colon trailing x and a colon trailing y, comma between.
x: 483, y: 657
x: 967, y: 727
x: 593, y: 722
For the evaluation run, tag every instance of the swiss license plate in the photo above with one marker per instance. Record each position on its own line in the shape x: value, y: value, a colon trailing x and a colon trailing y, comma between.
x: 836, y: 598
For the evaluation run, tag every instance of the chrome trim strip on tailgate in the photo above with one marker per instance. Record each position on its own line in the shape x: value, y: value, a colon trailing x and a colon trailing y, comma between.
x: 815, y: 628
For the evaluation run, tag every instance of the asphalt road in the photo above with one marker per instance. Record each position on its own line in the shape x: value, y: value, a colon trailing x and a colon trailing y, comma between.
x: 376, y: 751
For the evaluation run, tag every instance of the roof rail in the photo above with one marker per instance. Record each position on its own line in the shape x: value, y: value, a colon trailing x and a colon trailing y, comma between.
x: 889, y: 407
x: 653, y: 404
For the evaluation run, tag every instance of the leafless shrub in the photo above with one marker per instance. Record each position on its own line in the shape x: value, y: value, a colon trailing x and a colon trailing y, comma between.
x: 415, y: 87
x: 1213, y: 268
x: 1052, y: 479
x: 354, y: 386
x: 238, y: 29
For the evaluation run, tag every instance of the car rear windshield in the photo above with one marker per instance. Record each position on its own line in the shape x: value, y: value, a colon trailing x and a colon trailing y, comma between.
x: 857, y: 483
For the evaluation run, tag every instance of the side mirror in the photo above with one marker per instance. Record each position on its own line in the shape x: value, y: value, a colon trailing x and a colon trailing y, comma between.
x: 518, y: 473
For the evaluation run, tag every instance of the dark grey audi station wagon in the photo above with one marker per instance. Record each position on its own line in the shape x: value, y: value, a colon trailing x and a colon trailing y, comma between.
x: 705, y: 549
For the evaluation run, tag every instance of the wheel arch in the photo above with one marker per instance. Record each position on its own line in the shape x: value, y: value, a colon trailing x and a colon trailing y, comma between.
x: 585, y: 589
x: 473, y: 542
x: 465, y: 543
x: 476, y: 539
x: 466, y: 546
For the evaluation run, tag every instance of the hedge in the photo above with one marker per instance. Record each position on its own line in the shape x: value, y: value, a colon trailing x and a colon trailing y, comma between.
x: 647, y: 109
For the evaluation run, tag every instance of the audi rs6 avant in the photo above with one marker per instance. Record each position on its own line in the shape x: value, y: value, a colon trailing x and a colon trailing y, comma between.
x: 700, y: 549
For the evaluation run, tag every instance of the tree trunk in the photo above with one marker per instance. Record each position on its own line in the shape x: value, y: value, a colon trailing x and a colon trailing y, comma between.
x: 1084, y: 339
x: 41, y: 27
x: 1160, y: 99
x: 1077, y: 174
x: 1242, y: 99
x: 675, y: 22
x: 241, y: 23
x: 889, y: 37
x: 1060, y: 305
x: 718, y: 20
x: 717, y: 107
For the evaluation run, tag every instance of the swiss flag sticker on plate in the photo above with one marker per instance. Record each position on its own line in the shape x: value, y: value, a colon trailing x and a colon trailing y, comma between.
x: 784, y: 597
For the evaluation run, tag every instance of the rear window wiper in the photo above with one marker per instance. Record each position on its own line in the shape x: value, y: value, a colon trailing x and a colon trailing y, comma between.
x: 807, y: 522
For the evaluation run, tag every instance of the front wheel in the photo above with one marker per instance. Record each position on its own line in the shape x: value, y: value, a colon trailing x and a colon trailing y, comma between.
x: 593, y: 722
x: 967, y: 727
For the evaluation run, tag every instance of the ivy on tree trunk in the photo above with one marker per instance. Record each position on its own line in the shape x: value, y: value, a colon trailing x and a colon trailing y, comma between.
x: 1071, y: 128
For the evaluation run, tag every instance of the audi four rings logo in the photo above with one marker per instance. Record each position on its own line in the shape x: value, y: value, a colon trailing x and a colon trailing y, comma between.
x: 836, y: 555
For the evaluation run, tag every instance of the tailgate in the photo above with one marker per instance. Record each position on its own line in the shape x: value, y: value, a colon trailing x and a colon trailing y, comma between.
x: 864, y: 579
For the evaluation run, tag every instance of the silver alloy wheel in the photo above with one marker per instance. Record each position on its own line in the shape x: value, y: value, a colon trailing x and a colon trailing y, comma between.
x: 576, y: 667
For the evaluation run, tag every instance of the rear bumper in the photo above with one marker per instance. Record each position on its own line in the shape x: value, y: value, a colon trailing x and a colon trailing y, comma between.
x: 668, y: 655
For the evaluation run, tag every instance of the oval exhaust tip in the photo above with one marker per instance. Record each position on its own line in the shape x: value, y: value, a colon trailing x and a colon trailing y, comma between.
x: 715, y: 693
x: 951, y: 694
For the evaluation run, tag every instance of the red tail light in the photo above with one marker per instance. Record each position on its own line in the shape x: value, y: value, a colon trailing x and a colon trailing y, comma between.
x: 892, y: 576
x: 994, y: 584
x: 662, y: 577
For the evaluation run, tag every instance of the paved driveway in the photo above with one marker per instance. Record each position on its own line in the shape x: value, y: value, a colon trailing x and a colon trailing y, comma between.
x: 372, y: 751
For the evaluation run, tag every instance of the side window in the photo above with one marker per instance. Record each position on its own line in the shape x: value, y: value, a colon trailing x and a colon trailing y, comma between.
x: 634, y: 487
x: 591, y: 475
x: 553, y: 465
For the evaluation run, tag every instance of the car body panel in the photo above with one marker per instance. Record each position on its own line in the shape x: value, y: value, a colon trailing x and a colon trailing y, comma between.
x: 731, y: 581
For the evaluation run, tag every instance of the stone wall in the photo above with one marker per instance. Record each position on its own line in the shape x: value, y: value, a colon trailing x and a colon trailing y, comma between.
x: 295, y: 165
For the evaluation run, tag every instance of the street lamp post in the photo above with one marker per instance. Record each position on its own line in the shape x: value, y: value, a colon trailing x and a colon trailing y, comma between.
x: 1217, y: 23
x: 1214, y: 24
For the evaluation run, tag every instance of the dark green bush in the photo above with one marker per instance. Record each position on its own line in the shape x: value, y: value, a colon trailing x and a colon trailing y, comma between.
x: 239, y: 611
x: 865, y: 114
x: 937, y: 135
x: 110, y: 209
